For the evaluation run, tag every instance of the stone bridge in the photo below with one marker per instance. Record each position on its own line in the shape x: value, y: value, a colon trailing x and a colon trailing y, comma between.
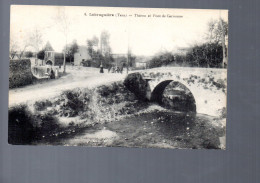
x: 207, y: 85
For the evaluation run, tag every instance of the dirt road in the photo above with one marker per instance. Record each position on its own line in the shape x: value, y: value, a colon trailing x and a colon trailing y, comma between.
x: 85, y: 77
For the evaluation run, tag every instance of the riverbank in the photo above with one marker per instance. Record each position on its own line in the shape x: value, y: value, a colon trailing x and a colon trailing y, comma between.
x: 110, y: 115
x: 76, y: 108
x: 157, y: 128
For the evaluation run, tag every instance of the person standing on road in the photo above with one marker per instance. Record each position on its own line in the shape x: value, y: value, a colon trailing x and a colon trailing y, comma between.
x: 56, y: 73
x: 52, y: 76
x: 109, y: 68
x: 101, y: 68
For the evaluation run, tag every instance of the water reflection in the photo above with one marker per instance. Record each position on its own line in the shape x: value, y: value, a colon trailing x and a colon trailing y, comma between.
x: 175, y: 123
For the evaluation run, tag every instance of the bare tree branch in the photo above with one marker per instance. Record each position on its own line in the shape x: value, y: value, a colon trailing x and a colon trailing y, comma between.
x: 62, y: 20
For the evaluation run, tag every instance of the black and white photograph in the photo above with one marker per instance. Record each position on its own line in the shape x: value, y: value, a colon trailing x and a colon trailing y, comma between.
x: 118, y: 77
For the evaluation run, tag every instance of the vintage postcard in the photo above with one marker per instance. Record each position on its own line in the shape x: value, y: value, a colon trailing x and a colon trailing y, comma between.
x: 118, y: 77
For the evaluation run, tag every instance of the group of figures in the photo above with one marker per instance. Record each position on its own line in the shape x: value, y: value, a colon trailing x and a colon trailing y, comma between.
x: 116, y: 69
x: 51, y: 74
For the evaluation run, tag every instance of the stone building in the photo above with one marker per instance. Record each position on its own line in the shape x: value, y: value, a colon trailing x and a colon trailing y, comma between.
x: 53, y: 58
x: 81, y: 55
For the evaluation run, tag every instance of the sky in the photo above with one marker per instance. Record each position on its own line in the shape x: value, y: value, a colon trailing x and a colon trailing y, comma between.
x: 144, y: 31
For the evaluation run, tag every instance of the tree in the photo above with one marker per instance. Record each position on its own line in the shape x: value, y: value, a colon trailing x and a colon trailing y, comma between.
x: 62, y: 20
x: 40, y: 54
x: 101, y: 55
x: 217, y: 32
x: 91, y: 45
x: 104, y: 43
x: 223, y: 31
x: 211, y: 29
x: 21, y: 51
x: 205, y: 55
x: 28, y: 54
x: 71, y: 50
x: 16, y: 48
x: 13, y: 48
x: 36, y: 40
x: 161, y: 59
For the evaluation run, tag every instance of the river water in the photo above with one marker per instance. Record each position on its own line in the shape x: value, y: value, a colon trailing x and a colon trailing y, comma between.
x: 157, y: 128
x: 151, y: 126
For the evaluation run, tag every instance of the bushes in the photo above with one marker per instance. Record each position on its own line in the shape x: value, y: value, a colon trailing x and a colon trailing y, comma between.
x: 204, y: 55
x: 105, y: 90
x: 161, y: 60
x: 42, y: 105
x: 21, y: 126
x: 74, y: 102
x: 223, y: 113
x: 25, y: 127
x: 86, y: 63
x: 20, y: 73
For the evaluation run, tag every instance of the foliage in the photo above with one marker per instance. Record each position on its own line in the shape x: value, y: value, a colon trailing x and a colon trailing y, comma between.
x: 20, y: 73
x: 223, y: 113
x: 42, y: 105
x: 74, y: 103
x: 21, y: 128
x: 13, y: 48
x: 40, y: 54
x: 162, y: 59
x: 70, y: 50
x: 100, y: 54
x: 105, y: 48
x: 35, y: 39
x: 92, y: 45
x: 215, y: 30
x: 205, y: 55
x: 28, y: 54
x: 212, y: 53
x: 86, y: 63
x: 22, y: 48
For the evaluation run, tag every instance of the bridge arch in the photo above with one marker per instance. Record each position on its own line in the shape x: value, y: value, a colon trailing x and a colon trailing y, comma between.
x: 181, y: 95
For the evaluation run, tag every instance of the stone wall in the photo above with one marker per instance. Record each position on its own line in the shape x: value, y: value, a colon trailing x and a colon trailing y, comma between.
x: 20, y: 73
x: 40, y: 71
